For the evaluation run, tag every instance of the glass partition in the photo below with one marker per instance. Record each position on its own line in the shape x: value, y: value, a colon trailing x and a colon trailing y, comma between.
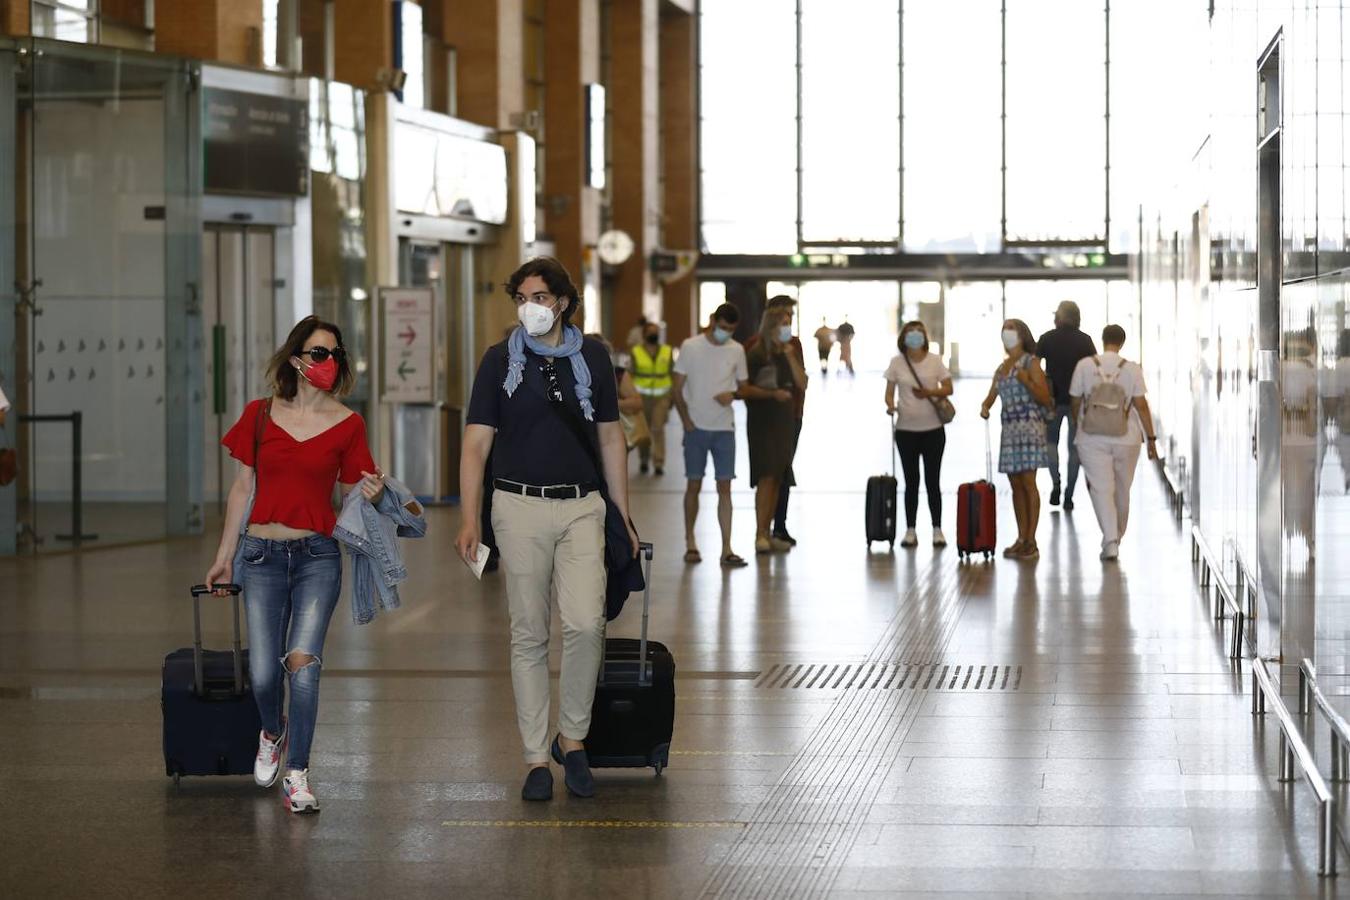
x: 110, y: 249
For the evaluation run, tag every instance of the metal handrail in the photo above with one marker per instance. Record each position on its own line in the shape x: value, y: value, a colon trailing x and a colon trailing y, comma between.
x: 1340, y: 728
x: 1223, y: 594
x: 1292, y: 747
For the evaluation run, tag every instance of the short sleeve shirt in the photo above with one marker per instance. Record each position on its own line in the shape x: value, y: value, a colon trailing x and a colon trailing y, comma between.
x: 710, y: 369
x: 1062, y: 349
x: 916, y: 413
x: 4, y: 401
x: 295, y: 479
x: 533, y: 444
x: 1131, y: 378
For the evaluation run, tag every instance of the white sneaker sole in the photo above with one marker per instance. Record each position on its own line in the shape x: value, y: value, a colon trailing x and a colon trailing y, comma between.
x: 303, y: 808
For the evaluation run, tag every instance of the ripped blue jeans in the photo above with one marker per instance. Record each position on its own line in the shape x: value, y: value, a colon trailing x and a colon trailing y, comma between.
x: 290, y: 591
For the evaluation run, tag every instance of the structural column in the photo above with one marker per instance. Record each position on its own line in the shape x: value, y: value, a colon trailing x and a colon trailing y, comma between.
x: 679, y: 161
x: 636, y: 206
x: 217, y: 30
x: 572, y: 61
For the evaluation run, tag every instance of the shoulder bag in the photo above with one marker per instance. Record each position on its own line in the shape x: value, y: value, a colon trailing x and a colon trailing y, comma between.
x: 623, y: 569
x: 943, y: 406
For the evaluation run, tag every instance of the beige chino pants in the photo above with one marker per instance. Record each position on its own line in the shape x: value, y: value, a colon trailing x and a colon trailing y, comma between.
x: 553, y: 548
x: 657, y: 411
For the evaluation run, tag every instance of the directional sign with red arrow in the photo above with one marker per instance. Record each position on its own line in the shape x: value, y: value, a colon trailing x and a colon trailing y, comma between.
x: 408, y: 363
x: 409, y: 334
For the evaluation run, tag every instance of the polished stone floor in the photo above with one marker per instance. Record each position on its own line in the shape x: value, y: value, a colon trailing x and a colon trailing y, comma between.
x: 849, y: 723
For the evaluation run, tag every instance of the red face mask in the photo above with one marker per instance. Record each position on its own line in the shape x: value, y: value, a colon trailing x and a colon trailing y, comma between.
x: 322, y: 375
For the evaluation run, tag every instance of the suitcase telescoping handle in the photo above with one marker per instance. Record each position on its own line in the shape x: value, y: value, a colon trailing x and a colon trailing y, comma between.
x: 198, y: 590
x: 893, y: 420
x: 644, y: 668
x: 988, y: 453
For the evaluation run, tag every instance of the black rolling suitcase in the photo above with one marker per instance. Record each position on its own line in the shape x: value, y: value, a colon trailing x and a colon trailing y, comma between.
x: 881, y: 493
x: 211, y: 722
x: 633, y: 716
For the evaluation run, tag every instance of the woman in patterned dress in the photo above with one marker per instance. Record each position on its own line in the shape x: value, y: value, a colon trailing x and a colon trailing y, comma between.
x: 1021, y: 385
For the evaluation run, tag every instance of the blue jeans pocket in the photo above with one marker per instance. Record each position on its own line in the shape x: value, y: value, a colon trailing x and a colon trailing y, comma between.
x: 320, y: 547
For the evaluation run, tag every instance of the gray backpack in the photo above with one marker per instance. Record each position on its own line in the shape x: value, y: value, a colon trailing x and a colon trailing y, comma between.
x: 1106, y: 409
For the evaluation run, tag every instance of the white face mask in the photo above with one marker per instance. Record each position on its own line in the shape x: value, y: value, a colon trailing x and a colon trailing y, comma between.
x: 537, y: 319
x: 1011, y: 339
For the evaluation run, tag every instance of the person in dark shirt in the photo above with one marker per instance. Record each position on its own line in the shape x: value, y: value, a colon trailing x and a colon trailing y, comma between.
x: 548, y: 513
x: 1062, y: 348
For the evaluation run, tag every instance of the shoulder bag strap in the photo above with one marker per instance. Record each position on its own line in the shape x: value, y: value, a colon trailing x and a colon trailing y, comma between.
x: 264, y: 413
x: 569, y: 418
x: 933, y: 400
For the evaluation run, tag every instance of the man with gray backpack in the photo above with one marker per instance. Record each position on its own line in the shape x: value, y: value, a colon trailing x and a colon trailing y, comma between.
x: 1107, y: 400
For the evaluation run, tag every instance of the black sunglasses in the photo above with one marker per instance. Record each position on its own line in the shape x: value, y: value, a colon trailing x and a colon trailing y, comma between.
x: 319, y: 354
x: 550, y: 371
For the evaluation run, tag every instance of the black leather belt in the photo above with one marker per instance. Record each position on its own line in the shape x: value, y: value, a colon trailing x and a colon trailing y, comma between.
x: 556, y: 492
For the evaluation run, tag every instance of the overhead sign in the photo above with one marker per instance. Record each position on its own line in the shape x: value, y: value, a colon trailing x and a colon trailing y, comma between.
x: 255, y: 144
x: 409, y: 345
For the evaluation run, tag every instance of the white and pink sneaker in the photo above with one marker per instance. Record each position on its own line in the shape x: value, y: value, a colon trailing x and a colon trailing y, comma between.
x: 296, y: 793
x: 268, y: 761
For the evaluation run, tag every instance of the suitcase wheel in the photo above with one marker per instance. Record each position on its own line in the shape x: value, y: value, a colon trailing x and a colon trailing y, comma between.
x: 658, y: 767
x: 175, y: 779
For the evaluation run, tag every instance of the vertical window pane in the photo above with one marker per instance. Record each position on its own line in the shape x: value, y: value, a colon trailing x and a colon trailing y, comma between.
x: 748, y: 109
x: 1056, y: 96
x: 410, y: 37
x: 850, y: 120
x: 269, y: 32
x: 952, y: 132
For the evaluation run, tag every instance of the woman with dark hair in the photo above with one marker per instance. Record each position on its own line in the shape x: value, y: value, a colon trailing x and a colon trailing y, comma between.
x: 776, y: 378
x: 292, y: 447
x: 915, y: 381
x: 1020, y: 383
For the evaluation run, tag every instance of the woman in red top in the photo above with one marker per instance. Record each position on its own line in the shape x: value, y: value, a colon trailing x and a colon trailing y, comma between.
x: 292, y: 449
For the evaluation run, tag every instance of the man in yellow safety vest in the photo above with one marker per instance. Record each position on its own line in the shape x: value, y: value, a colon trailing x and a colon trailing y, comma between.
x: 652, y: 363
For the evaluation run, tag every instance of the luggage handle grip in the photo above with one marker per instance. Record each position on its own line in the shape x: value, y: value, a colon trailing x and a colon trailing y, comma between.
x: 229, y: 587
x: 198, y: 679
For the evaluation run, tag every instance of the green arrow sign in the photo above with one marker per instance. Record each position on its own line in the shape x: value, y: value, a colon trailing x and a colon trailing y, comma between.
x: 404, y: 370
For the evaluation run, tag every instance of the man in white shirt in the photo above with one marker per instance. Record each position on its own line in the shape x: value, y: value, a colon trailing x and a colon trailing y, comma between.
x: 710, y: 373
x: 1109, y: 459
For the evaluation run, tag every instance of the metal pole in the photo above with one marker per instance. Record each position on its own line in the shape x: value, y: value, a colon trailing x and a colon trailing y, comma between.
x: 1106, y: 235
x: 1326, y: 838
x: 900, y: 66
x: 799, y: 126
x: 1003, y: 134
x: 76, y: 479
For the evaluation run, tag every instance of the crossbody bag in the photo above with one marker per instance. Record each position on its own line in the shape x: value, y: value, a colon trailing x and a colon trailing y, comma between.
x: 943, y: 406
x: 624, y: 572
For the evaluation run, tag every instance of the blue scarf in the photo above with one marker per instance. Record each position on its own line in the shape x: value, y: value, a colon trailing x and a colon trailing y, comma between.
x: 570, y: 347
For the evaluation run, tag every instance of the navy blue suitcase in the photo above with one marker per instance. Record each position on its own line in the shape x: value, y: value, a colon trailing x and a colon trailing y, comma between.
x: 211, y: 721
x: 633, y: 716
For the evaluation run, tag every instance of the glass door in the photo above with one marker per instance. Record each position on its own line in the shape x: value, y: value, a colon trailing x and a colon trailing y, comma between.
x: 239, y: 317
x: 113, y: 337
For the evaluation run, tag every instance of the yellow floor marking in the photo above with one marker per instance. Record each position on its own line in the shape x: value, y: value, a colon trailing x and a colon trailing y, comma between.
x: 581, y: 823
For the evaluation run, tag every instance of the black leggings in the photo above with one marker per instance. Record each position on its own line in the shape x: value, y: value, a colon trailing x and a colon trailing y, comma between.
x: 928, y: 445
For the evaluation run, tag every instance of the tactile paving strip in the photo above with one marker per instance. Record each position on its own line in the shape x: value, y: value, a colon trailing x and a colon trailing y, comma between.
x: 799, y: 835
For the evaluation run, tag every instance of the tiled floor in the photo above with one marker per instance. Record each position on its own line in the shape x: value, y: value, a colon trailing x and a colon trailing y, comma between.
x: 1110, y: 754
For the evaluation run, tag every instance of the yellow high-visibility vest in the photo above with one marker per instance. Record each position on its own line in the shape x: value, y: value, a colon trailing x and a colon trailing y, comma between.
x: 652, y: 375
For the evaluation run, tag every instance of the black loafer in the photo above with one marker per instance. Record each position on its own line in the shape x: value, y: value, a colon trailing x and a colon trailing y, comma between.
x: 784, y: 536
x: 538, y: 784
x: 576, y: 770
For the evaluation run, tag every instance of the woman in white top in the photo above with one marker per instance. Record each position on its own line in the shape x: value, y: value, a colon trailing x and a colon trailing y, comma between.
x: 914, y: 380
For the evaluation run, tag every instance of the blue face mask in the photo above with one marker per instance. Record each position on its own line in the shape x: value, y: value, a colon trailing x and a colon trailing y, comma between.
x: 914, y: 340
x: 785, y: 333
x: 721, y: 335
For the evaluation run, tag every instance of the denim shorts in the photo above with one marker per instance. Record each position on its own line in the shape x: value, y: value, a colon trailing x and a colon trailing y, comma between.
x: 699, y: 443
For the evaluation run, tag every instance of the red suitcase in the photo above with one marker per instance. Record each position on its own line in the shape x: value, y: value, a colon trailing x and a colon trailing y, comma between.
x: 976, y: 511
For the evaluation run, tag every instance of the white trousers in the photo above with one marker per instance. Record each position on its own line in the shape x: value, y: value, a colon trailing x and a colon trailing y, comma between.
x: 553, y: 548
x: 1109, y: 469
